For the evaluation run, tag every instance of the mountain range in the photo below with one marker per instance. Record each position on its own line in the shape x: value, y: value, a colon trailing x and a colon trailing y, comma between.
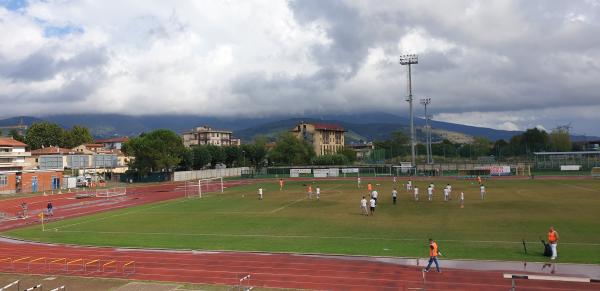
x: 361, y: 126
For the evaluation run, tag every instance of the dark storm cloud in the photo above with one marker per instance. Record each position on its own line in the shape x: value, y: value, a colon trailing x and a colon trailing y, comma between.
x: 43, y: 65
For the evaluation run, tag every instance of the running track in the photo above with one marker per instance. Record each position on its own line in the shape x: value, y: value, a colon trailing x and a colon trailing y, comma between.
x: 267, y: 270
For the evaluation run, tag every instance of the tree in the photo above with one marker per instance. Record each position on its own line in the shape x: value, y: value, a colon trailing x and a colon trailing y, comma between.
x: 500, y: 149
x: 159, y: 150
x: 534, y: 140
x: 481, y: 146
x: 560, y: 140
x: 14, y: 133
x: 78, y: 135
x: 232, y: 155
x: 349, y: 154
x: 44, y: 134
x: 217, y: 154
x: 201, y: 157
x: 326, y: 160
x: 290, y: 150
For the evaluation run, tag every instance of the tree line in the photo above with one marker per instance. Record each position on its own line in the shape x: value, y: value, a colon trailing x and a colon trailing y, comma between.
x: 47, y: 134
x: 521, y: 145
x: 163, y: 150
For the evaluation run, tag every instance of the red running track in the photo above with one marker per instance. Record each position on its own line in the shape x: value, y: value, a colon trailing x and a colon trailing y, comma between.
x: 266, y: 270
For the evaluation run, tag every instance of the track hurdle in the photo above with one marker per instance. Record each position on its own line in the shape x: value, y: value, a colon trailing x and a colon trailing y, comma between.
x: 21, y: 260
x: 107, y: 265
x: 15, y: 283
x: 35, y: 261
x: 59, y: 288
x: 129, y: 268
x: 34, y: 287
x: 92, y: 263
x: 515, y: 277
x: 244, y: 283
x: 9, y: 261
x: 79, y: 263
x: 60, y: 261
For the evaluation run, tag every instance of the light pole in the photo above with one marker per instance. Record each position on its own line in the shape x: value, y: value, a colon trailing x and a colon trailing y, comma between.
x: 425, y: 102
x: 407, y: 60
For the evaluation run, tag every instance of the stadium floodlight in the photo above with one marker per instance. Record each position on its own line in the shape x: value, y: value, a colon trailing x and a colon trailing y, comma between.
x: 407, y: 60
x: 425, y: 102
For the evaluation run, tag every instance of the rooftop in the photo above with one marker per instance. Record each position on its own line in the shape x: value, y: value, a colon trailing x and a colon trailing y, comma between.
x: 50, y: 151
x: 10, y: 142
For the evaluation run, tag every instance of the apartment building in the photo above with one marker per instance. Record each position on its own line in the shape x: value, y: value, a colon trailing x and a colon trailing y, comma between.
x: 13, y: 155
x: 325, y: 138
x: 204, y: 135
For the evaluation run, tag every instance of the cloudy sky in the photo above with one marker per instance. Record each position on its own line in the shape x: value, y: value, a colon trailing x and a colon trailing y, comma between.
x: 501, y: 64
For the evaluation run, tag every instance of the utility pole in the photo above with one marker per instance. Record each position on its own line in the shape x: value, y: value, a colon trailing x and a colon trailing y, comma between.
x: 425, y: 102
x: 408, y: 60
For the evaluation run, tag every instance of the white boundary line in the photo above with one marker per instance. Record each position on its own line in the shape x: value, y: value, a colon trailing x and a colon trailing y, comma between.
x: 302, y: 236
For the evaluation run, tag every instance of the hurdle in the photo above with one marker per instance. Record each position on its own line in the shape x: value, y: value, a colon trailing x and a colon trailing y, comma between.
x: 59, y: 288
x: 129, y: 268
x: 10, y: 285
x: 34, y: 261
x: 14, y: 262
x: 95, y: 262
x: 9, y: 261
x: 73, y: 262
x: 105, y: 265
x: 34, y: 287
x: 243, y: 282
x: 56, y: 262
x: 515, y: 277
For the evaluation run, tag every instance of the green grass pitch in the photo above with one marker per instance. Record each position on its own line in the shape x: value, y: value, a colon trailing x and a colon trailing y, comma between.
x: 288, y: 222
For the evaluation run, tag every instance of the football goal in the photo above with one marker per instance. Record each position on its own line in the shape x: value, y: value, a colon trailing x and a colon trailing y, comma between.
x: 111, y: 192
x: 195, y: 189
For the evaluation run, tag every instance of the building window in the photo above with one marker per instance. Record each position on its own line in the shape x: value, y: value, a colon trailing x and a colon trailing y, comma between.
x: 3, y: 180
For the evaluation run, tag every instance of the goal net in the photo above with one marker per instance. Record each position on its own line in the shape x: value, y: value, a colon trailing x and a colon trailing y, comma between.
x: 195, y: 189
x: 111, y: 192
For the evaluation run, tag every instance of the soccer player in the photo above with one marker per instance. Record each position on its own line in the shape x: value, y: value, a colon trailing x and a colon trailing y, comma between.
x: 395, y: 180
x: 482, y: 192
x: 358, y: 182
x: 318, y: 192
x: 260, y: 193
x: 433, y: 253
x: 374, y: 195
x: 479, y: 179
x: 281, y: 184
x: 553, y: 240
x: 462, y: 199
x: 446, y: 193
x: 394, y: 196
x: 409, y: 185
x: 432, y: 186
x: 24, y: 208
x: 50, y: 209
x: 363, y: 206
x: 369, y: 186
x: 449, y: 191
x: 309, y: 191
x: 430, y: 193
x: 416, y: 192
x: 373, y: 203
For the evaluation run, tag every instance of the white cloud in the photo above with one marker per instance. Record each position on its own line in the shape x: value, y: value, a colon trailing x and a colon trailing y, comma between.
x: 503, y: 64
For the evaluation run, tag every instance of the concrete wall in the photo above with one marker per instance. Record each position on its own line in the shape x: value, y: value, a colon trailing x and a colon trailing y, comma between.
x: 205, y: 174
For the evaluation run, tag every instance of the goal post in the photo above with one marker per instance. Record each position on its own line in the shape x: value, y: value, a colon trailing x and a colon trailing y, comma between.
x: 197, y: 188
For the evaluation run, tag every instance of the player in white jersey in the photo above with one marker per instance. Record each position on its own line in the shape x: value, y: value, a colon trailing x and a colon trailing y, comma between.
x: 260, y: 193
x: 409, y: 185
x: 430, y: 193
x: 363, y: 206
x: 462, y: 200
x: 394, y: 196
x: 358, y: 182
x: 482, y: 192
x: 446, y: 194
x: 318, y: 192
x: 416, y: 192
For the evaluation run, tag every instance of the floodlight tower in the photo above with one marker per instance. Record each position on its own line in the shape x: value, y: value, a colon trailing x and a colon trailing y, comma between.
x: 407, y: 60
x: 425, y: 102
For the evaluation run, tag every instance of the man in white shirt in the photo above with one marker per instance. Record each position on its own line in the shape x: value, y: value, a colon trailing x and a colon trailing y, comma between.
x: 394, y: 196
x: 260, y: 193
x: 449, y: 191
x: 416, y: 194
x: 363, y: 206
x: 430, y: 193
x: 395, y: 180
x: 373, y: 203
x: 446, y: 194
x: 358, y: 182
x: 374, y: 195
x: 318, y: 192
x: 482, y: 192
x: 409, y: 185
x: 462, y: 200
